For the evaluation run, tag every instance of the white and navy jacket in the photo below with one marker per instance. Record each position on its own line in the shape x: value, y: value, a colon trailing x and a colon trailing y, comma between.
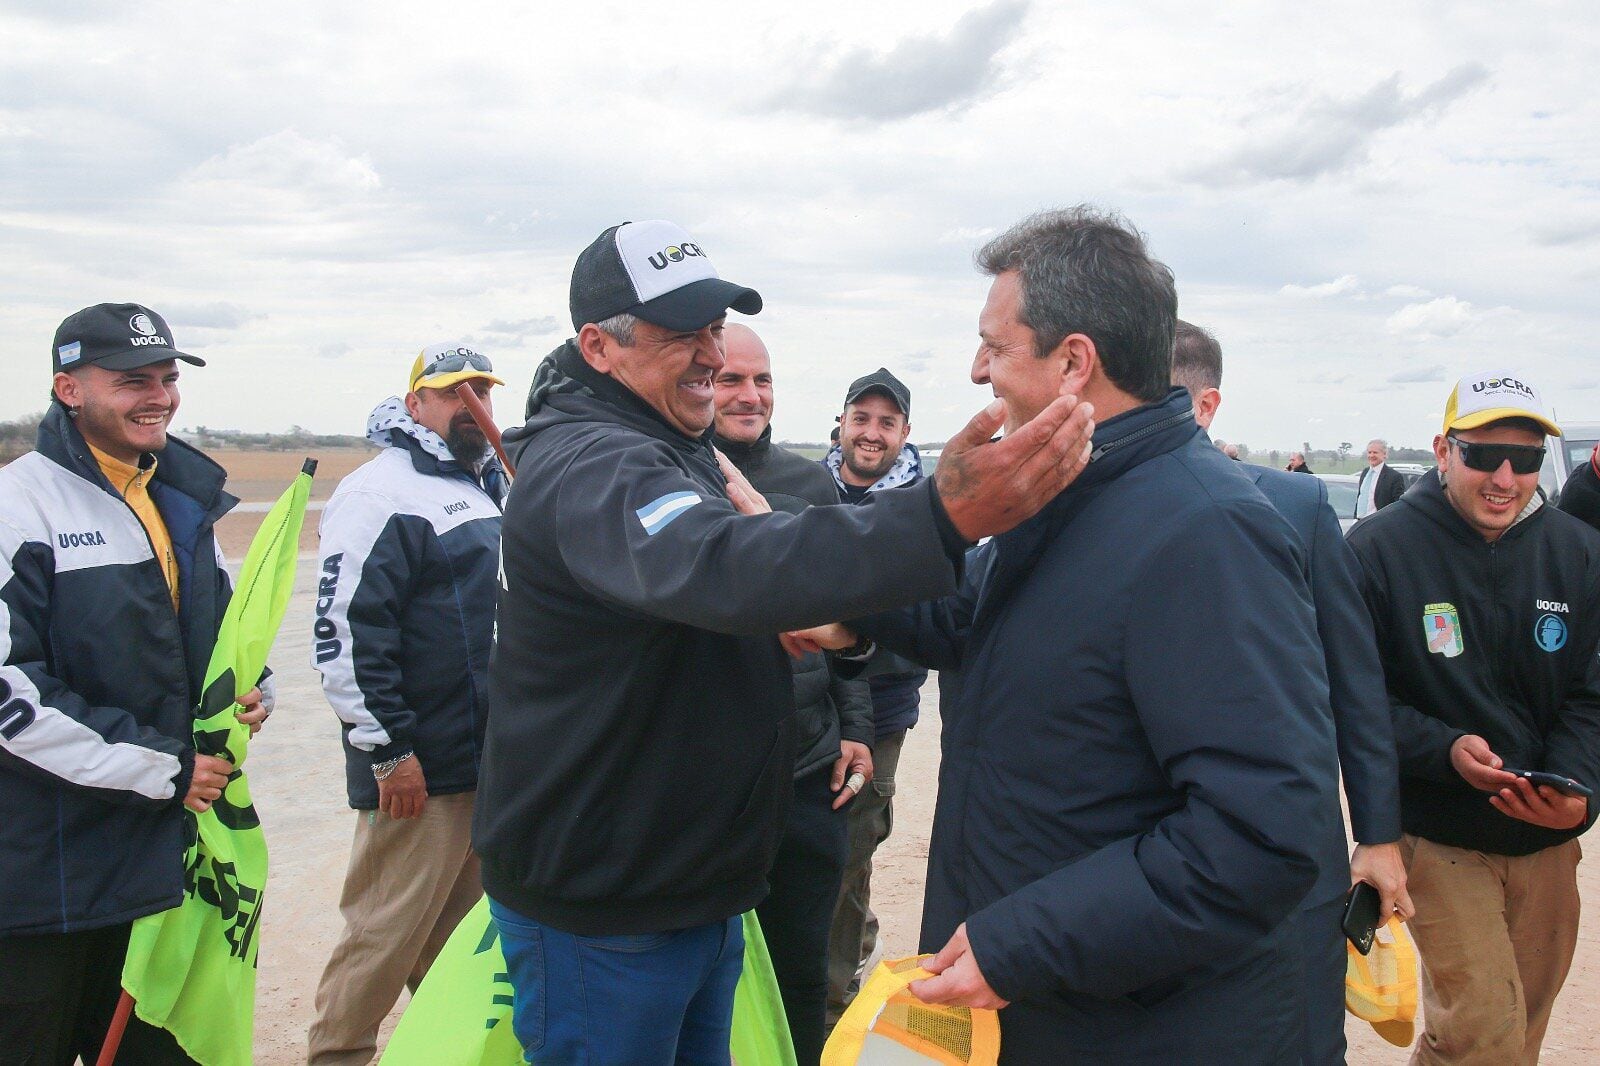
x: 99, y: 679
x: 405, y: 606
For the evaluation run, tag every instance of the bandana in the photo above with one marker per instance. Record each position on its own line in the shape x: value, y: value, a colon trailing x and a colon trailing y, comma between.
x: 906, y: 469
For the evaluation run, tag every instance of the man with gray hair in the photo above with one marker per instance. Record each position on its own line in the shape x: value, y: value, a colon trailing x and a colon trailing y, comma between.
x: 638, y: 764
x: 1379, y: 485
x: 1367, y: 759
x: 1130, y: 804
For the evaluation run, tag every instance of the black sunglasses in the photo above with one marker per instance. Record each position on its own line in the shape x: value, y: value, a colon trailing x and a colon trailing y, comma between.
x: 1486, y: 458
x: 459, y: 359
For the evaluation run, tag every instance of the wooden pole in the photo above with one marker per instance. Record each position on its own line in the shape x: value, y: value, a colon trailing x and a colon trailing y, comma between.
x: 480, y: 414
x: 119, y: 1025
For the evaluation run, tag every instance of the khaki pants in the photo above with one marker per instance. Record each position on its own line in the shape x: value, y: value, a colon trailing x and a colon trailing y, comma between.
x: 410, y: 882
x: 1496, y: 934
x: 854, y: 934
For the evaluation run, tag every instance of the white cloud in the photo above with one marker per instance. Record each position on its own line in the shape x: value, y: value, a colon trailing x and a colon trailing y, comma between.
x: 1443, y: 317
x: 1340, y: 286
x: 288, y: 160
x: 967, y: 234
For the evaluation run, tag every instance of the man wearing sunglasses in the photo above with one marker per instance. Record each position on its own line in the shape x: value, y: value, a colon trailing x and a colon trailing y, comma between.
x: 403, y: 628
x: 1486, y: 605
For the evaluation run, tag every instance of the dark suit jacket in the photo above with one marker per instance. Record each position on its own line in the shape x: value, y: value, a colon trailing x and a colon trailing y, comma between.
x: 1361, y: 719
x: 1390, y: 486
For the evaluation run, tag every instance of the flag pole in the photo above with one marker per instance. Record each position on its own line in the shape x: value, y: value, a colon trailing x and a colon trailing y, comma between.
x: 119, y: 1024
x: 480, y: 414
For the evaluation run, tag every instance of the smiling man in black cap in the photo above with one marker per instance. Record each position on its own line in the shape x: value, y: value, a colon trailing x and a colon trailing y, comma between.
x: 111, y: 592
x: 638, y: 759
x: 874, y: 453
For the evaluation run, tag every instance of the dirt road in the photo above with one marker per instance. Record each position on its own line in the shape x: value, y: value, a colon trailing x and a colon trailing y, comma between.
x: 298, y: 781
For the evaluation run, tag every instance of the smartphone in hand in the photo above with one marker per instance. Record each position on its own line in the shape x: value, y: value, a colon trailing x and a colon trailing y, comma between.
x: 1361, y: 915
x: 1564, y: 785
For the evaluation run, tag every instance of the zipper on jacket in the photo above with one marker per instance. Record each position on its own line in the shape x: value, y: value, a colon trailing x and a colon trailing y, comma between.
x: 1186, y: 415
x: 1496, y: 656
x: 147, y: 539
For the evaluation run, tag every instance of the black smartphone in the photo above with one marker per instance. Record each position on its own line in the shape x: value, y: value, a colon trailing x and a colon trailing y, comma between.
x: 1565, y: 785
x: 1361, y: 916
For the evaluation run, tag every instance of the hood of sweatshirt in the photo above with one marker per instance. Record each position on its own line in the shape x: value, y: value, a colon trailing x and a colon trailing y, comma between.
x: 566, y: 389
x: 1428, y: 496
x: 906, y: 469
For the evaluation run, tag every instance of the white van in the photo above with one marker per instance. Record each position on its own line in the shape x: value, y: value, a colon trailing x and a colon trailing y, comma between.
x: 1565, y: 454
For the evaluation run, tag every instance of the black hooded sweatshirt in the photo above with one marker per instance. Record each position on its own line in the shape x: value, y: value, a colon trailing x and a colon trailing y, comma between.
x: 636, y: 769
x: 1493, y: 639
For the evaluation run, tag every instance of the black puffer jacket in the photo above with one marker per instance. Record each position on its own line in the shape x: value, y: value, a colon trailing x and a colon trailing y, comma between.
x: 828, y: 708
x: 636, y: 764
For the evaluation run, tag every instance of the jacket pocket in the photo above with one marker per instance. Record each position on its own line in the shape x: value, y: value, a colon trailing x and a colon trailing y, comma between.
x: 627, y: 943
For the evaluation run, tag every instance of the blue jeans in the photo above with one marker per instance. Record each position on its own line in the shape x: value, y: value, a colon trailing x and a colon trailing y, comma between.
x: 645, y: 999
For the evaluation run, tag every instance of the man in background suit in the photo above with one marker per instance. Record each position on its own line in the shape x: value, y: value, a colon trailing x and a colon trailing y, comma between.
x: 1367, y: 754
x: 1377, y: 486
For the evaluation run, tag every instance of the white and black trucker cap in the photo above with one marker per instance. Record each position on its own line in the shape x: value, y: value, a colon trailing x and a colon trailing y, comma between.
x: 652, y: 270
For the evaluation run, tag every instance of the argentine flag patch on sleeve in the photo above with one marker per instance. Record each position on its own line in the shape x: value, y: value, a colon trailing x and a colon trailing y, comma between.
x: 657, y: 514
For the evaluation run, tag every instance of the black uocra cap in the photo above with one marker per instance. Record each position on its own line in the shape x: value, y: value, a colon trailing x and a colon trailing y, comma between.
x: 652, y: 270
x: 880, y: 380
x: 115, y: 336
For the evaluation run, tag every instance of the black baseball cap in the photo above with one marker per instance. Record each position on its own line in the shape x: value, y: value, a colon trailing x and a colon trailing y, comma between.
x: 880, y: 380
x: 652, y: 270
x: 115, y: 336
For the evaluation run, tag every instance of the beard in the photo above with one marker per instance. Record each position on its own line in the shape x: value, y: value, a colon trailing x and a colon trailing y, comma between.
x: 467, y: 444
x: 866, y: 470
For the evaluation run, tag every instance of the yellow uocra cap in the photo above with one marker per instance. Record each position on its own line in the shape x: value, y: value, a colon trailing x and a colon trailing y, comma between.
x: 1381, y: 987
x: 886, y: 1024
x: 441, y: 366
x: 1479, y: 399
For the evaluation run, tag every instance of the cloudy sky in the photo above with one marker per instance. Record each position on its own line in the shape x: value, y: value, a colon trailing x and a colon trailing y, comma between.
x: 1362, y: 201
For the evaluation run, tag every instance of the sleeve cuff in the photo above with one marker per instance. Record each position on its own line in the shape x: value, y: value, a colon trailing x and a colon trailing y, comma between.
x: 180, y: 782
x: 955, y: 545
x: 859, y: 735
x: 392, y: 750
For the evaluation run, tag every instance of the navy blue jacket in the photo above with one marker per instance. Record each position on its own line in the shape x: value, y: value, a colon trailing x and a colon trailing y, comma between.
x: 410, y: 546
x: 99, y: 680
x: 1367, y: 757
x: 1138, y: 758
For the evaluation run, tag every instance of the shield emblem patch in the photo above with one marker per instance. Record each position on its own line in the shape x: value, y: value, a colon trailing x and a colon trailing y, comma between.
x: 1441, y: 627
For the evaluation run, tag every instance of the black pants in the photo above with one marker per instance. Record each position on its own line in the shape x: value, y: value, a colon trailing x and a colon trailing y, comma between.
x: 797, y: 914
x: 57, y: 995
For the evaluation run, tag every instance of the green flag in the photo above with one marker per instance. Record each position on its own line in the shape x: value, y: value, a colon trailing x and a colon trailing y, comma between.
x: 192, y: 970
x: 461, y: 1014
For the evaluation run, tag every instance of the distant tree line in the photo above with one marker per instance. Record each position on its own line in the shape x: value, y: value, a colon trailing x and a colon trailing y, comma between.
x: 297, y: 438
x: 18, y: 435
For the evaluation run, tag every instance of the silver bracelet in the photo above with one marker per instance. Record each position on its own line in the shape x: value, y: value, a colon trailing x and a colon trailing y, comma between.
x: 382, y: 770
